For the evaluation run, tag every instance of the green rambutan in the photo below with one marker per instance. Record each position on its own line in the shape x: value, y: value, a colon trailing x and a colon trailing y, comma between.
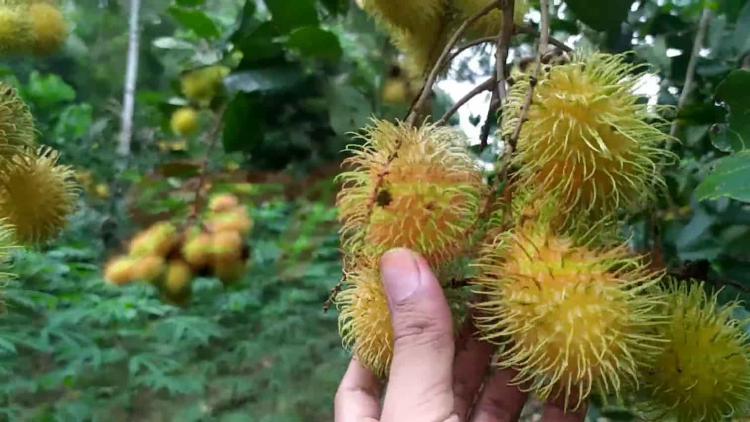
x: 588, y: 138
x: 413, y: 15
x: 16, y: 36
x: 569, y: 317
x: 703, y: 372
x: 410, y: 187
x: 49, y: 28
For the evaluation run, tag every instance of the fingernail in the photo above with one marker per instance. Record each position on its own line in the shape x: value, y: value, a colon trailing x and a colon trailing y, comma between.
x: 400, y: 272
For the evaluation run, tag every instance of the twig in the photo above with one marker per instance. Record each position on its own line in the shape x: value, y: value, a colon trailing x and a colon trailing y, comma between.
x: 214, y: 136
x: 690, y: 73
x: 461, y: 48
x: 499, y: 93
x: 484, y: 86
x: 437, y: 67
x: 552, y: 40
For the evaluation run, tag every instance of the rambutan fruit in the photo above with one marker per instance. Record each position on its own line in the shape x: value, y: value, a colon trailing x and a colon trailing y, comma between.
x: 185, y: 122
x: 364, y: 318
x: 149, y: 268
x: 223, y: 202
x: 492, y: 23
x: 49, y: 28
x: 588, y: 137
x: 202, y: 85
x: 230, y: 271
x: 395, y: 91
x: 15, y: 30
x: 178, y: 277
x: 16, y: 121
x: 121, y: 270
x: 226, y: 245
x: 37, y: 195
x: 413, y: 15
x: 703, y: 372
x: 197, y: 250
x: 426, y: 198
x: 159, y: 239
x: 570, y: 318
x: 236, y: 220
x: 421, y: 48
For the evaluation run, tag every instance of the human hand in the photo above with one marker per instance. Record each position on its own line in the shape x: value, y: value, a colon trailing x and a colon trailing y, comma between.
x: 433, y: 378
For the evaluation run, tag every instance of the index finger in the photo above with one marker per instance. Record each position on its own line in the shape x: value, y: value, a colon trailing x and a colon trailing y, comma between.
x: 358, y: 395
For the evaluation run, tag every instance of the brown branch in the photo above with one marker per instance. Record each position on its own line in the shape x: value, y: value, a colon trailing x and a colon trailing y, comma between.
x: 433, y: 75
x: 552, y: 40
x: 213, y: 136
x: 461, y: 48
x: 690, y: 73
x: 484, y: 86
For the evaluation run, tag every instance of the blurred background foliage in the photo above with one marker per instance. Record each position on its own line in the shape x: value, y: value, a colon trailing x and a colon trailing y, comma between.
x: 304, y: 74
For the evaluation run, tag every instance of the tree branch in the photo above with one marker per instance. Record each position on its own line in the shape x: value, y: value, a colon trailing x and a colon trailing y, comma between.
x: 690, y: 74
x: 484, y: 86
x: 213, y: 140
x: 437, y: 67
x: 554, y: 41
x: 131, y: 79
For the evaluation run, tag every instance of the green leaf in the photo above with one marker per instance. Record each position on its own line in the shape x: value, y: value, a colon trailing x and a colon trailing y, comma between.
x: 262, y: 80
x: 190, y: 3
x: 350, y: 109
x: 196, y: 21
x: 288, y: 15
x: 315, y: 43
x: 730, y: 178
x: 601, y: 15
x: 243, y: 124
x: 337, y: 7
x: 742, y: 31
x: 48, y: 90
x: 734, y: 92
x: 171, y: 43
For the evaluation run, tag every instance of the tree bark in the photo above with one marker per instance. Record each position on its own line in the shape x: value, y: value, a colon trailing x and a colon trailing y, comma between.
x: 131, y: 79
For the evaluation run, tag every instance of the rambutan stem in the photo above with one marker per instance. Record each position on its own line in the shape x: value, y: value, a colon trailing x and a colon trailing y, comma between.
x: 440, y: 62
x: 213, y: 140
x: 552, y: 40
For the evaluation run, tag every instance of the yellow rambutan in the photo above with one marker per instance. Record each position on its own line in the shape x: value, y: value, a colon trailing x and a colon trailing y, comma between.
x: 223, y: 202
x: 37, y: 195
x: 49, y: 28
x: 230, y: 271
x: 492, y: 23
x: 412, y: 15
x: 703, y: 372
x: 395, y: 91
x: 16, y: 121
x: 149, y: 268
x: 197, y: 250
x: 364, y: 318
x: 159, y: 239
x: 15, y: 30
x: 185, y: 122
x: 426, y: 198
x: 202, y: 85
x: 236, y: 220
x: 570, y: 318
x: 178, y: 277
x: 421, y: 48
x: 226, y: 245
x: 121, y: 270
x: 588, y: 137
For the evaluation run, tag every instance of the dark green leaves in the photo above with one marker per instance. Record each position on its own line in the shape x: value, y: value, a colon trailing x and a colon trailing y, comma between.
x: 196, y: 21
x: 262, y: 80
x: 288, y: 15
x: 243, y: 123
x: 315, y: 43
x: 730, y: 178
x: 734, y: 92
x: 350, y: 109
x: 601, y: 15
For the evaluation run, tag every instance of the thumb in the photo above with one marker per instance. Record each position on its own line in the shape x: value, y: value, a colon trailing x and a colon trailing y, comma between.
x: 421, y: 375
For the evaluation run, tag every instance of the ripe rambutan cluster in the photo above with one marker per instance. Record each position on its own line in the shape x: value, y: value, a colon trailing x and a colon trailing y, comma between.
x: 36, y: 26
x: 202, y: 85
x: 184, y: 121
x: 171, y: 259
x: 36, y: 193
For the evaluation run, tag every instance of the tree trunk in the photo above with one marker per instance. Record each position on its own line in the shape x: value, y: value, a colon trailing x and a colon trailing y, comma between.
x: 131, y: 77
